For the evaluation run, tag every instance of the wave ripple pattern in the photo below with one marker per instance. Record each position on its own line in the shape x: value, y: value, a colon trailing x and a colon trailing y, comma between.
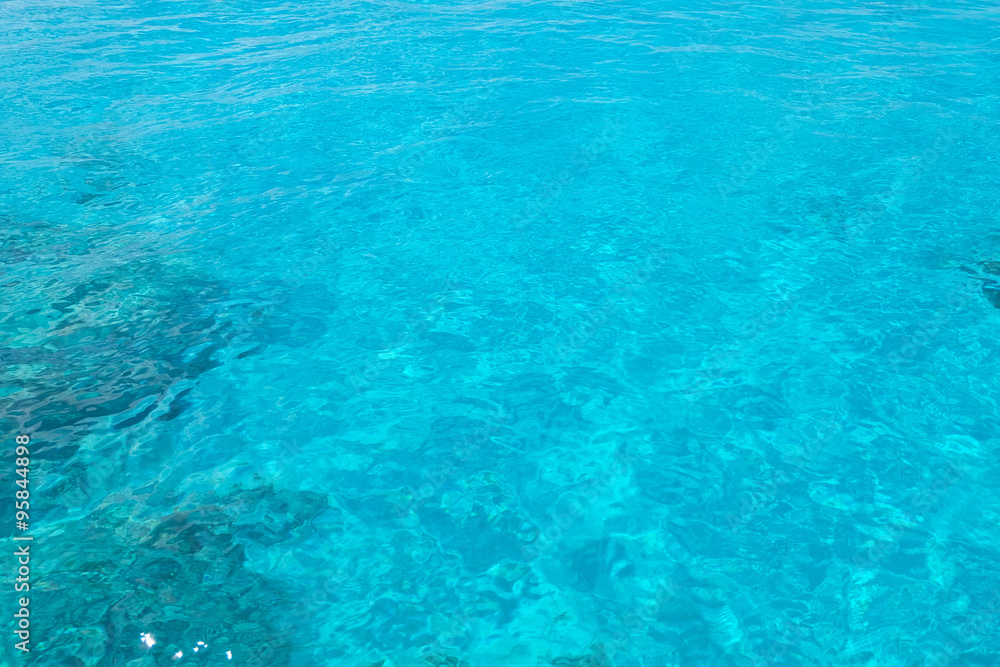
x: 475, y: 334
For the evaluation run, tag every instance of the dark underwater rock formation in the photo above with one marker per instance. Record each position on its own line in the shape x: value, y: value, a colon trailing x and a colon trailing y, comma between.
x: 181, y: 578
x: 101, y: 341
x: 991, y: 286
x: 93, y: 343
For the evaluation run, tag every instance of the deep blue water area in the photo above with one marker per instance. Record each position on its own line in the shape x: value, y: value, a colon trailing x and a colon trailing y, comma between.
x: 461, y: 334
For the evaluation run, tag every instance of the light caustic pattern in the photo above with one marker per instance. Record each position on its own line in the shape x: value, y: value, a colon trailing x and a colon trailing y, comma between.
x: 627, y: 334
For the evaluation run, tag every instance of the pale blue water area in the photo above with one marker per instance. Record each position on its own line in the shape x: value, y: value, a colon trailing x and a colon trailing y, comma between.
x: 457, y: 334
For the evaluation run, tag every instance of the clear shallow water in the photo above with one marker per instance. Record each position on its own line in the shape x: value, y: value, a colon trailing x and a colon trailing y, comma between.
x: 505, y: 333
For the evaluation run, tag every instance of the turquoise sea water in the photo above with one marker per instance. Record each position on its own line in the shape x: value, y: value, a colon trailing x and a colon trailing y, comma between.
x: 405, y: 334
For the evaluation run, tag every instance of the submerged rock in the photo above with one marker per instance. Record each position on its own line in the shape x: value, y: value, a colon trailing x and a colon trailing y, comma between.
x: 176, y: 583
x: 991, y: 286
x: 116, y: 334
